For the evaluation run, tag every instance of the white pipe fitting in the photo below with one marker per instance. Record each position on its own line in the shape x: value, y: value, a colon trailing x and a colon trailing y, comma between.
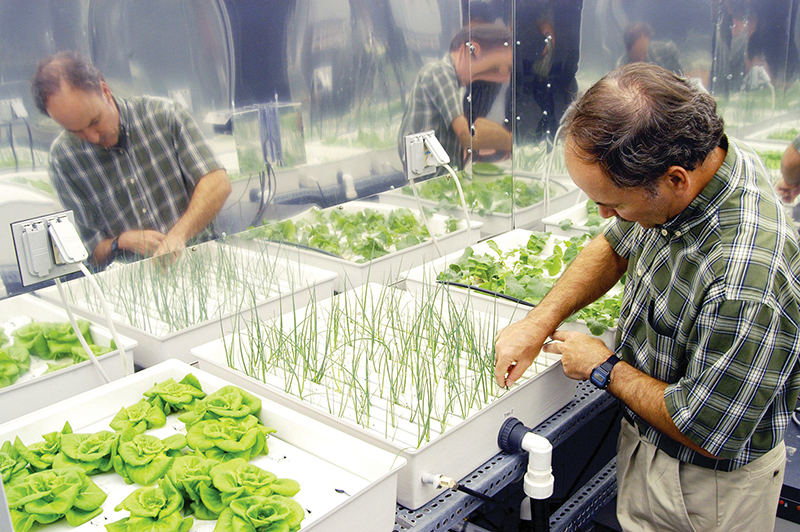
x: 539, y: 481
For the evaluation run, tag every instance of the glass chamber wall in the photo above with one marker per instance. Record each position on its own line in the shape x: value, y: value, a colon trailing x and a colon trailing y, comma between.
x: 304, y: 100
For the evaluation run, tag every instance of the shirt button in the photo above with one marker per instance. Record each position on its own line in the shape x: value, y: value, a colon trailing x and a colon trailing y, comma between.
x: 639, y: 272
x: 130, y: 181
x: 678, y: 233
x: 664, y: 232
x: 144, y: 211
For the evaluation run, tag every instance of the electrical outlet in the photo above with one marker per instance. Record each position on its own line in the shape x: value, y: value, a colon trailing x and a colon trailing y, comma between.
x: 424, y: 154
x: 47, y: 247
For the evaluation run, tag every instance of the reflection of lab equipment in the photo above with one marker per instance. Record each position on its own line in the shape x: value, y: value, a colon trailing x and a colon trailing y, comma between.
x: 269, y: 133
x: 12, y: 112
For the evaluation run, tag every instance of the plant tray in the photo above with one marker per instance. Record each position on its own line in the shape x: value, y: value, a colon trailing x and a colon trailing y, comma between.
x: 578, y: 214
x: 343, y: 480
x: 214, y: 283
x: 410, y: 419
x: 35, y: 389
x: 529, y: 217
x: 383, y: 269
x: 420, y: 278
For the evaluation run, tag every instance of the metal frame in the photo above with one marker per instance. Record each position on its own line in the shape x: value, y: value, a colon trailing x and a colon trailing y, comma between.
x: 444, y: 511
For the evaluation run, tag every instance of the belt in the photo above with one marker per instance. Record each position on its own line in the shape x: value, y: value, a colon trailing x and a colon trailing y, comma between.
x: 672, y: 448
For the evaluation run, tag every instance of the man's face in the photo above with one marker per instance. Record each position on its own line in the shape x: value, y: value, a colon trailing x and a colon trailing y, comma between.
x: 92, y: 117
x: 486, y: 65
x: 632, y: 204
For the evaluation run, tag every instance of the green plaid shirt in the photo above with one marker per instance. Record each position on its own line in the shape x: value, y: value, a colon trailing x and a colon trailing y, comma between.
x: 144, y: 183
x: 434, y: 102
x: 711, y: 308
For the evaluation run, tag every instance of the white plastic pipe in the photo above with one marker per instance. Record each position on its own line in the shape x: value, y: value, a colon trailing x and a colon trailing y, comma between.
x: 539, y: 481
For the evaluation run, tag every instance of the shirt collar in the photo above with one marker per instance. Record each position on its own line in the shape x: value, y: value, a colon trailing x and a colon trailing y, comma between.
x: 123, y: 120
x: 711, y: 197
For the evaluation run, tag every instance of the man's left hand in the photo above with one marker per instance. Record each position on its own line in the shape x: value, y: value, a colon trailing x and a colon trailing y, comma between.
x: 580, y: 353
x: 170, y: 248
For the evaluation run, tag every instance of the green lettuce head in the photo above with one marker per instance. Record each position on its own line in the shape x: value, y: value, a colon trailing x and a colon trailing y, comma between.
x: 152, y: 509
x: 238, y: 478
x: 191, y: 475
x: 94, y: 453
x: 261, y: 514
x: 228, y: 438
x: 10, y: 369
x: 47, y: 496
x: 40, y: 455
x: 139, y: 417
x: 171, y: 396
x: 227, y: 402
x: 144, y: 459
x: 12, y: 466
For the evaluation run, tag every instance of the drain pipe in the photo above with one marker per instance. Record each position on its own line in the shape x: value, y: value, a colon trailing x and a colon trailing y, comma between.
x: 538, y: 482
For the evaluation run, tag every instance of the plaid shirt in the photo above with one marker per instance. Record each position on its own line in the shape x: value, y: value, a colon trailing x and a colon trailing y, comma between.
x: 146, y: 182
x: 711, y: 308
x: 434, y: 102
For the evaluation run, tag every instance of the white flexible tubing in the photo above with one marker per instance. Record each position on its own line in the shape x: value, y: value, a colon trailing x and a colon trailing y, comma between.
x: 79, y: 334
x: 467, y: 217
x: 425, y: 218
x: 109, y: 321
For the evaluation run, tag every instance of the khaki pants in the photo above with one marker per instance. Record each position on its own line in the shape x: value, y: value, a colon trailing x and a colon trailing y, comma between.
x: 656, y: 492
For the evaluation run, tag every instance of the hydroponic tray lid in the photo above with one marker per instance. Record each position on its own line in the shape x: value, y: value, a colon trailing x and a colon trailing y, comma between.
x: 381, y: 269
x: 343, y: 480
x: 388, y: 424
x: 37, y: 389
x: 143, y: 298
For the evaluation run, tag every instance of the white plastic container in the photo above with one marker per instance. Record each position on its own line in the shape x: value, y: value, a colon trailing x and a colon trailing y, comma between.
x: 383, y: 269
x: 322, y: 459
x: 529, y: 217
x: 578, y: 215
x: 465, y: 444
x: 291, y: 285
x: 418, y: 279
x: 34, y: 389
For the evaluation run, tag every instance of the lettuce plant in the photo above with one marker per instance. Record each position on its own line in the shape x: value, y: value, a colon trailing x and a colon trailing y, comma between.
x: 191, y: 476
x: 261, y: 514
x: 144, y: 458
x: 10, y: 369
x: 152, y: 509
x: 51, y: 340
x: 47, y: 496
x: 171, y: 396
x: 238, y: 478
x: 227, y: 402
x: 79, y: 353
x: 228, y: 438
x: 139, y: 417
x: 94, y: 453
x: 40, y: 455
x: 13, y: 467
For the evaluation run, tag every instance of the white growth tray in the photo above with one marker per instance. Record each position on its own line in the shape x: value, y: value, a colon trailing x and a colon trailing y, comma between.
x: 199, y: 298
x: 373, y: 380
x: 383, y: 269
x: 528, y: 217
x: 345, y: 484
x: 35, y: 389
x: 420, y: 278
x: 578, y: 215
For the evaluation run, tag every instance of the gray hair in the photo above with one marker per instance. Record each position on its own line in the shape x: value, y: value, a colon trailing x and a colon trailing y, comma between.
x: 68, y: 66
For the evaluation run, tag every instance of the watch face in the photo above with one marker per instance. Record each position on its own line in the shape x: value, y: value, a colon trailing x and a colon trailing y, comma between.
x: 599, y: 377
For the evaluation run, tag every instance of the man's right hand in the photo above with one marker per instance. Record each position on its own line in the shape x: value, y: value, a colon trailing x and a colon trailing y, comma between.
x: 786, y: 192
x: 141, y: 241
x: 515, y: 348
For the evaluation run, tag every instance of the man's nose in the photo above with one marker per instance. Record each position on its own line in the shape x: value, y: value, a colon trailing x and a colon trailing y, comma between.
x: 606, y: 212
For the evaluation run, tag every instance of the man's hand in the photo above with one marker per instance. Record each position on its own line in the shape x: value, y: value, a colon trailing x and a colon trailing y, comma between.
x: 786, y: 191
x: 171, y: 246
x: 515, y: 348
x: 580, y: 353
x: 142, y: 242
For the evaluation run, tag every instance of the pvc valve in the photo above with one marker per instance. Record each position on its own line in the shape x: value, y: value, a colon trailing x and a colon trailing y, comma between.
x: 514, y: 437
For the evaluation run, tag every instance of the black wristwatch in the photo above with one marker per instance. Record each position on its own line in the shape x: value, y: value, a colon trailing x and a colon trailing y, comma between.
x: 115, y: 246
x: 601, y: 375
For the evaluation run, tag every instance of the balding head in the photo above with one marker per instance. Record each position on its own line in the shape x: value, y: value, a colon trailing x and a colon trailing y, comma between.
x: 67, y: 67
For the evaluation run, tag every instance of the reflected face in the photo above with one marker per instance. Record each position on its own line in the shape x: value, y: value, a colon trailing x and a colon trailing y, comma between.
x: 90, y: 116
x: 638, y: 51
x: 631, y: 204
x: 492, y: 65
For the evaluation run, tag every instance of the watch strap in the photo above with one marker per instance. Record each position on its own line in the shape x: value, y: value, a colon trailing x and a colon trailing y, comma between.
x: 115, y: 246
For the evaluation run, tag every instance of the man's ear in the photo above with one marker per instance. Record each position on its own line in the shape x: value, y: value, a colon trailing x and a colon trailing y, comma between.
x: 678, y: 179
x: 474, y: 49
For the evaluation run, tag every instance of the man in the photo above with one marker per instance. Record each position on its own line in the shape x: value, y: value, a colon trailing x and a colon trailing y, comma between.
x: 137, y: 173
x: 708, y: 340
x: 477, y: 52
x: 788, y: 186
x: 639, y: 46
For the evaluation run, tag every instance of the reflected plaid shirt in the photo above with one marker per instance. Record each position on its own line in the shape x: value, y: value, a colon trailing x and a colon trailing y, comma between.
x: 711, y: 308
x: 146, y: 182
x: 434, y: 102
